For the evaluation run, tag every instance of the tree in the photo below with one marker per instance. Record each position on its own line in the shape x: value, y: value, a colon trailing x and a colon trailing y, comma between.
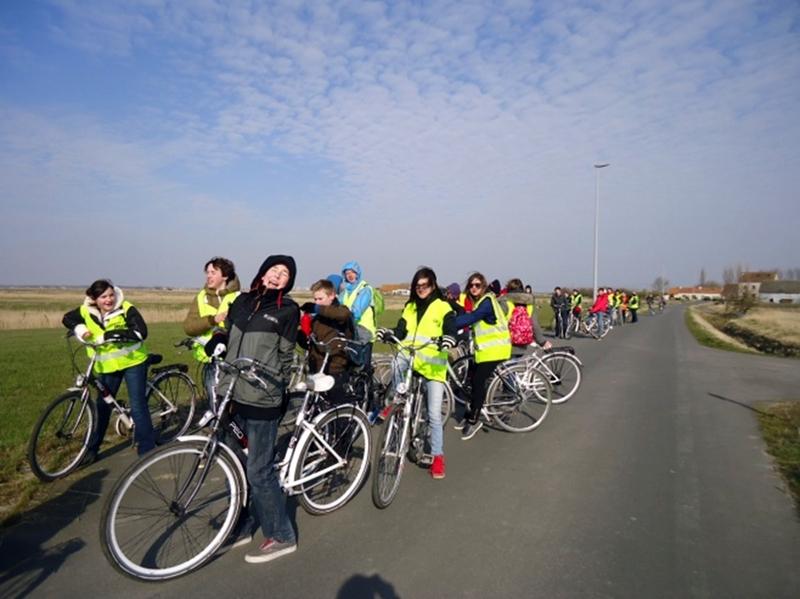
x: 702, y: 277
x: 660, y: 284
x: 729, y: 276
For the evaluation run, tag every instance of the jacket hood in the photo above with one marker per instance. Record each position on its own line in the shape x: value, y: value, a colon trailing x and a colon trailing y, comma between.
x: 354, y: 266
x: 231, y: 287
x: 519, y: 297
x: 92, y: 304
x: 336, y: 280
x: 271, y: 261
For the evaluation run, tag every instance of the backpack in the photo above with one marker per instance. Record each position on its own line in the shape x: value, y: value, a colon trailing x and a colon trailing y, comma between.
x: 519, y: 325
x: 377, y: 302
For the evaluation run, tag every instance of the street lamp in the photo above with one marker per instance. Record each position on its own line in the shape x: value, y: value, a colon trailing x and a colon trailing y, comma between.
x: 597, y: 168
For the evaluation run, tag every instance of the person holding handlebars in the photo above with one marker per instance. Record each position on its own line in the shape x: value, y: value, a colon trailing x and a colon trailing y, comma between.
x: 118, y: 330
x: 426, y: 317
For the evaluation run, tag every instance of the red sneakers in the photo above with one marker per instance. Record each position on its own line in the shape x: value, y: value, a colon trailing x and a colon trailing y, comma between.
x: 437, y: 468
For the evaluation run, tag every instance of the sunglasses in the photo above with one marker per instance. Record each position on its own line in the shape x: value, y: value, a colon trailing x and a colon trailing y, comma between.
x: 423, y: 286
x: 476, y: 285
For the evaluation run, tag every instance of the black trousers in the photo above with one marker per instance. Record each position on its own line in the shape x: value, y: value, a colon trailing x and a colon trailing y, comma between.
x: 480, y: 377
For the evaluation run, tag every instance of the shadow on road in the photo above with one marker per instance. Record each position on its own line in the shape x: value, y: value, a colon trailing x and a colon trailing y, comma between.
x: 24, y: 561
x: 743, y: 405
x: 367, y: 587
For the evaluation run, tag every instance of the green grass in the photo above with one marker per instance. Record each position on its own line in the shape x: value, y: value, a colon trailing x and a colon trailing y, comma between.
x: 780, y: 426
x: 36, y: 367
x: 707, y: 339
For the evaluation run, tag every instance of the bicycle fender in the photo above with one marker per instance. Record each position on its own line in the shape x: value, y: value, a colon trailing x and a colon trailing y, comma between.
x: 231, y: 454
x: 571, y: 356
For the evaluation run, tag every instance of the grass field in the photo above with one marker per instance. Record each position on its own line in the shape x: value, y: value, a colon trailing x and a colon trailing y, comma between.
x: 780, y: 425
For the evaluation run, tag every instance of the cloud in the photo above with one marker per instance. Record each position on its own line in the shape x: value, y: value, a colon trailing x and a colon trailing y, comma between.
x: 448, y: 116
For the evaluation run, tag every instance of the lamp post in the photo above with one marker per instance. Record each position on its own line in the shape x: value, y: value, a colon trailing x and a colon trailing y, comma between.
x: 597, y: 168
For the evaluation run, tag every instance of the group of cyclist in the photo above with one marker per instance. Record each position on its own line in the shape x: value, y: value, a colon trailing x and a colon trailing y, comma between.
x: 265, y: 323
x: 610, y: 308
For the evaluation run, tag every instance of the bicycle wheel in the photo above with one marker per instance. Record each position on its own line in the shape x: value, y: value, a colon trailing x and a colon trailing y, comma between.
x: 566, y: 375
x: 330, y: 486
x: 60, y: 437
x: 170, y: 511
x: 389, y: 459
x: 171, y: 399
x: 519, y: 398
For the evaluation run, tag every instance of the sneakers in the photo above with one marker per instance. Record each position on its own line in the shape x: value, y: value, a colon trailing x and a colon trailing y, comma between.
x: 243, y: 539
x: 459, y: 426
x: 437, y: 468
x: 374, y: 416
x: 470, y: 430
x: 269, y: 550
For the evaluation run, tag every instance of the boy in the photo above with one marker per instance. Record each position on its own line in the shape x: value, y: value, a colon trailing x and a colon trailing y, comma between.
x: 330, y: 320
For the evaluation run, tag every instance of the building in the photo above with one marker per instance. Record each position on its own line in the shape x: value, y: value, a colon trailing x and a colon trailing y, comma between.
x: 696, y: 293
x: 780, y: 292
x: 750, y: 282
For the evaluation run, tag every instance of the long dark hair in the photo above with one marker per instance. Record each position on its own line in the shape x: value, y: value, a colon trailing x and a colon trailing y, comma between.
x: 425, y: 272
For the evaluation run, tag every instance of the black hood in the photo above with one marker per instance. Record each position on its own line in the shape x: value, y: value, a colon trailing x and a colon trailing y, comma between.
x: 271, y: 261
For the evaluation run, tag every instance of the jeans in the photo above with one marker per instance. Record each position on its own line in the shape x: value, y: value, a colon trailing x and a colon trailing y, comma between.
x: 434, y: 390
x: 267, y: 507
x: 136, y: 380
x: 601, y: 322
x: 208, y: 385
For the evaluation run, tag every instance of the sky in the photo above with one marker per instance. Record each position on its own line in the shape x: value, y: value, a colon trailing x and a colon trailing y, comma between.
x: 139, y: 138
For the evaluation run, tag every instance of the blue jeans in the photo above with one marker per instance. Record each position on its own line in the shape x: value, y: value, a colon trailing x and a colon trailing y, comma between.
x: 435, y: 393
x: 136, y: 380
x: 267, y: 500
x: 208, y: 385
x: 601, y: 322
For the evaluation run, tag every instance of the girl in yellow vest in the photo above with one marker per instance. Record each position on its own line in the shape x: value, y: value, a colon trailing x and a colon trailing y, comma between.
x: 105, y: 313
x: 428, y: 316
x: 492, y: 346
x: 207, y: 313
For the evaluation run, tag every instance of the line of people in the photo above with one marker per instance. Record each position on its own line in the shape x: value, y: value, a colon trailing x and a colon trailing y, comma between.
x: 265, y: 323
x: 610, y: 308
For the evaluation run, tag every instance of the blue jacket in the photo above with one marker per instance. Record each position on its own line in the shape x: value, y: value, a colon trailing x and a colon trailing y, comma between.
x: 364, y: 299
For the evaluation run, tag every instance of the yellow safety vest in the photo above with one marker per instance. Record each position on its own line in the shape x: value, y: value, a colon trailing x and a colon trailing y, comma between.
x: 430, y: 362
x: 205, y: 310
x: 367, y: 319
x: 117, y: 356
x: 633, y: 303
x: 492, y: 341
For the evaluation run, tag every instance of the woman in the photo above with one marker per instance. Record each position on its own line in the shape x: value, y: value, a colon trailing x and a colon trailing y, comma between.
x: 262, y: 324
x: 105, y: 318
x: 427, y: 316
x: 207, y: 313
x: 492, y: 346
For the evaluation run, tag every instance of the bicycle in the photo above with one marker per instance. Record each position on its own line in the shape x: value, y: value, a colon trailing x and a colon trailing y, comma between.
x: 171, y: 511
x: 405, y: 430
x: 60, y: 438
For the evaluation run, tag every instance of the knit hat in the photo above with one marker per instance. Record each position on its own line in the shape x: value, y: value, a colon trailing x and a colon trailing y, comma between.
x: 454, y: 289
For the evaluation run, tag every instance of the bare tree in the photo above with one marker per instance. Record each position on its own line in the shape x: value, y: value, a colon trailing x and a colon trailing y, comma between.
x: 702, y: 277
x: 729, y: 276
x: 660, y: 284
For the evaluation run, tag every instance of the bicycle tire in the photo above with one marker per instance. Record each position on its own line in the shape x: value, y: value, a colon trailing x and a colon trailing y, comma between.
x: 567, y: 373
x: 60, y: 437
x: 171, y: 400
x: 390, y: 455
x: 142, y: 520
x: 347, y: 431
x: 518, y: 398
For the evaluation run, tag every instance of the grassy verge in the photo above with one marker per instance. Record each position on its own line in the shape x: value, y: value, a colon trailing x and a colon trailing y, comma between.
x: 36, y: 367
x: 707, y: 338
x: 780, y: 425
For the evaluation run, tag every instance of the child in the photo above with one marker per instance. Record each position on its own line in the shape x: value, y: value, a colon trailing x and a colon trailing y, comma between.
x: 330, y: 320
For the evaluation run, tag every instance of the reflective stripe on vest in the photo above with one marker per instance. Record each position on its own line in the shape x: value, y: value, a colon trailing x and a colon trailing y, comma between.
x: 205, y: 310
x: 492, y: 341
x: 430, y: 362
x: 367, y: 319
x: 117, y: 356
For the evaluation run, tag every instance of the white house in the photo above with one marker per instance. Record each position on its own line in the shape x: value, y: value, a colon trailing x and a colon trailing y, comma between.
x: 780, y: 292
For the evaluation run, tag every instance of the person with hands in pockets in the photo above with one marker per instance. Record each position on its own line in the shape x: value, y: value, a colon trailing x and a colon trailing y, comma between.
x: 118, y: 329
x: 427, y: 316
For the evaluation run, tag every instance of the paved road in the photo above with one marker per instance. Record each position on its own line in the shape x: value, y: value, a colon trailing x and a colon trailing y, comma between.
x: 652, y: 482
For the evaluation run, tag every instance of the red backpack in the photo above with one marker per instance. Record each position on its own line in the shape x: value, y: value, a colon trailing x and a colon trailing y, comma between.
x: 519, y: 325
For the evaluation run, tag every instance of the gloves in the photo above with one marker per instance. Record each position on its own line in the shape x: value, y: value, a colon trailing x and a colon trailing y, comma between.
x: 447, y: 342
x: 309, y: 308
x: 216, y: 345
x: 126, y: 335
x: 383, y: 335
